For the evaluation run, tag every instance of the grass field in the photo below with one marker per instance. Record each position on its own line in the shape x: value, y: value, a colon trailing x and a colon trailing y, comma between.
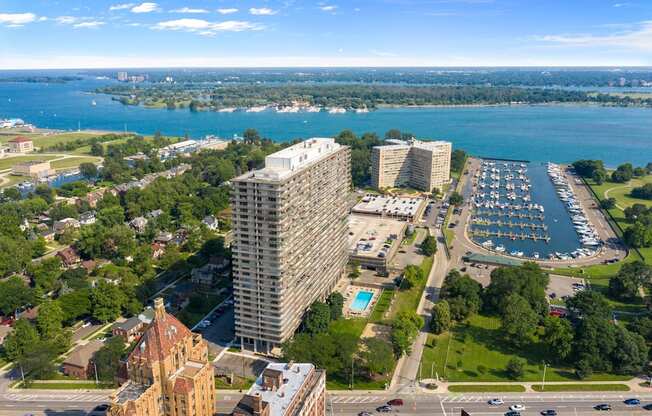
x: 8, y: 162
x: 408, y: 299
x: 581, y: 387
x: 82, y: 385
x: 478, y: 352
x: 72, y: 162
x: 486, y: 388
x: 41, y: 140
x: 382, y: 306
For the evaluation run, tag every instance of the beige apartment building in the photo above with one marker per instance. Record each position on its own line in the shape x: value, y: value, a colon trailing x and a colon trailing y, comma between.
x: 289, y: 238
x: 286, y: 390
x: 169, y: 372
x: 418, y: 164
x: 33, y: 168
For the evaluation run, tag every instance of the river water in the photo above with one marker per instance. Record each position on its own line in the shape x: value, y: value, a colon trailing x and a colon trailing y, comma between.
x: 536, y: 133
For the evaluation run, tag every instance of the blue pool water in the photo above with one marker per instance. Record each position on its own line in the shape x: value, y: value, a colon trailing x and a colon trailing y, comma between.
x: 361, y: 301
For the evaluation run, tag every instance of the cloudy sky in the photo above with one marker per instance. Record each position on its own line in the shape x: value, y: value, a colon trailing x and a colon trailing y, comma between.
x: 194, y: 33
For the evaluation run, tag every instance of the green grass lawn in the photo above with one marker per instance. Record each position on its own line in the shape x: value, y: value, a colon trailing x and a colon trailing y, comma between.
x: 478, y: 352
x: 72, y: 162
x: 382, y: 305
x: 239, y: 383
x: 82, y: 385
x: 487, y: 388
x: 12, y: 180
x: 8, y: 162
x: 581, y: 387
x: 408, y: 299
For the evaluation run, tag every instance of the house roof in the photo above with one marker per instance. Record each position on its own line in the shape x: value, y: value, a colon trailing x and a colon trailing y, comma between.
x: 20, y: 139
x: 129, y: 324
x: 163, y: 333
x: 82, y: 354
x: 68, y: 255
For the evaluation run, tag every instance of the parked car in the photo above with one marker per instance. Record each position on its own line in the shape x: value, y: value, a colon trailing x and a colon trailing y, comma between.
x: 395, y: 402
x: 496, y: 402
x: 517, y: 407
x: 513, y: 413
x: 603, y: 406
x: 549, y: 412
x: 384, y: 409
x: 632, y: 402
x: 648, y: 406
x: 365, y: 414
x: 99, y: 410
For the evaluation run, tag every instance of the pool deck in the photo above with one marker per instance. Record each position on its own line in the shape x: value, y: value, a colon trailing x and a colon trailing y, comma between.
x: 350, y: 296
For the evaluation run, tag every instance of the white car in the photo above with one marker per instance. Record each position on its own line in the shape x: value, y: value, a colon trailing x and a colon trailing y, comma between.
x: 496, y: 402
x: 516, y: 407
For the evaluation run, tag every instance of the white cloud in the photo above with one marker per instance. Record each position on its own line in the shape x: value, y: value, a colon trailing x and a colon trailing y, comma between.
x: 328, y: 8
x: 16, y: 19
x: 189, y: 10
x: 122, y: 6
x: 262, y: 11
x: 227, y: 10
x: 622, y: 4
x: 206, y: 28
x: 639, y: 38
x: 90, y: 24
x: 383, y: 54
x: 66, y: 20
x: 146, y: 7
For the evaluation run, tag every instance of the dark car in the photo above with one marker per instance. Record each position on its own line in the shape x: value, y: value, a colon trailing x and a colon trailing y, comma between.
x: 513, y: 413
x: 632, y: 402
x: 603, y: 406
x: 395, y: 402
x: 384, y: 409
x: 549, y: 412
x: 648, y: 406
x: 99, y: 410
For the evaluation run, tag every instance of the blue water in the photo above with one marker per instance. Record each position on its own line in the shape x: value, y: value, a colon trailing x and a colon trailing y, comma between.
x: 361, y: 301
x: 537, y: 133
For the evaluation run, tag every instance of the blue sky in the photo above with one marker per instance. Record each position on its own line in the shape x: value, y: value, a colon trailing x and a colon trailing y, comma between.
x: 227, y: 33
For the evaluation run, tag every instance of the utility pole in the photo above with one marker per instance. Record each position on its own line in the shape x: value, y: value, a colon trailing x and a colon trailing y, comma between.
x: 352, y: 373
x: 432, y: 369
x: 543, y: 382
x: 22, y: 374
x: 95, y: 367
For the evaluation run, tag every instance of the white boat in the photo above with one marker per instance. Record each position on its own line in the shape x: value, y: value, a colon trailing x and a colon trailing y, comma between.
x: 257, y: 109
x: 361, y: 110
x: 226, y: 110
x: 500, y: 248
x: 93, y: 103
x: 488, y: 244
x: 313, y: 109
x: 336, y: 110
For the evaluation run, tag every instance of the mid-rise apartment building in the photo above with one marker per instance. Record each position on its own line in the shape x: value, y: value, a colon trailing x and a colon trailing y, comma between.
x: 286, y: 390
x: 169, y: 373
x: 289, y: 238
x: 418, y: 164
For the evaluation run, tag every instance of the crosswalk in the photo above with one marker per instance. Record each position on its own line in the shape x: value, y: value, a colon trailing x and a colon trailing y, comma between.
x: 357, y: 399
x: 470, y: 398
x: 58, y: 397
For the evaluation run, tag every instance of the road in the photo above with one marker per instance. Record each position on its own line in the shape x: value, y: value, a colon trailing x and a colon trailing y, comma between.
x: 347, y: 404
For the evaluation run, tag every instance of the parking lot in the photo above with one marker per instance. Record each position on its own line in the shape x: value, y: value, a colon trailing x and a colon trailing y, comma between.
x: 221, y: 330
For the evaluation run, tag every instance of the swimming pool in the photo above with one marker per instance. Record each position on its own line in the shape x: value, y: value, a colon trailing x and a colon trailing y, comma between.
x: 361, y: 301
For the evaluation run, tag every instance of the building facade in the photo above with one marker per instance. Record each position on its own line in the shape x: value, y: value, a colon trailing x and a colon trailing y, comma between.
x: 34, y: 169
x: 418, y: 164
x: 286, y: 389
x: 289, y: 238
x: 20, y: 144
x: 169, y: 373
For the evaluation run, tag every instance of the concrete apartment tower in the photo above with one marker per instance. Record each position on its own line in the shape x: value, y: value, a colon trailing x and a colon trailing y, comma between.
x: 169, y: 372
x: 417, y: 164
x: 290, y: 238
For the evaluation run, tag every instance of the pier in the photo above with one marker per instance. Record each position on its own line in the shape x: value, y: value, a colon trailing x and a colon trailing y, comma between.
x: 510, y: 224
x: 510, y: 235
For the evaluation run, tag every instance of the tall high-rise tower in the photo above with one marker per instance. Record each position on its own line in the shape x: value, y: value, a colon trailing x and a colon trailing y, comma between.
x: 290, y: 238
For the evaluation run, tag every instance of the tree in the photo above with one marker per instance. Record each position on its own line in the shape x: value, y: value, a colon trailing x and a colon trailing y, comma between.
x: 49, y: 320
x: 515, y: 368
x: 462, y: 293
x: 558, y: 337
x: 630, y: 354
x: 46, y: 273
x: 629, y: 280
x: 107, y: 359
x: 377, y: 356
x: 458, y: 157
x: 456, y: 199
x: 88, y: 170
x: 335, y: 302
x: 18, y: 341
x: 435, y: 192
x: 14, y: 294
x: 527, y: 280
x: 317, y: 318
x: 75, y: 304
x: 106, y: 301
x: 393, y: 134
x: 12, y: 194
x: 519, y: 321
x: 111, y: 216
x: 589, y: 303
x: 643, y: 192
x: 429, y: 246
x: 638, y: 235
x: 38, y: 361
x: 251, y: 136
x: 15, y: 254
x: 441, y: 317
x: 595, y: 341
x: 608, y: 203
x: 599, y: 177
x: 412, y: 276
x: 623, y: 173
x: 97, y: 149
x: 405, y: 328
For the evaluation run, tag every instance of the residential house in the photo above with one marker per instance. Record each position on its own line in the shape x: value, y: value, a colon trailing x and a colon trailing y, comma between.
x: 92, y: 198
x: 87, y: 218
x: 155, y: 214
x: 69, y: 256
x: 79, y: 364
x: 89, y: 265
x: 129, y: 330
x: 20, y: 144
x: 210, y: 222
x: 205, y: 275
x: 138, y: 224
x: 48, y: 234
x: 164, y: 238
x: 67, y: 223
x: 157, y: 250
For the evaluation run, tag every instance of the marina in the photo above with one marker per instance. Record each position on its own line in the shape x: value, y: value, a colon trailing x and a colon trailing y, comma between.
x: 527, y: 210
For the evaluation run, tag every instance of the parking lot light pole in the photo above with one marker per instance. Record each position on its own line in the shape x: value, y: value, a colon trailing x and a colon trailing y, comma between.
x: 543, y: 382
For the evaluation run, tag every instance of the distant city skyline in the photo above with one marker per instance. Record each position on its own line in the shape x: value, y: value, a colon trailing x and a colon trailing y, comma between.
x: 42, y: 34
